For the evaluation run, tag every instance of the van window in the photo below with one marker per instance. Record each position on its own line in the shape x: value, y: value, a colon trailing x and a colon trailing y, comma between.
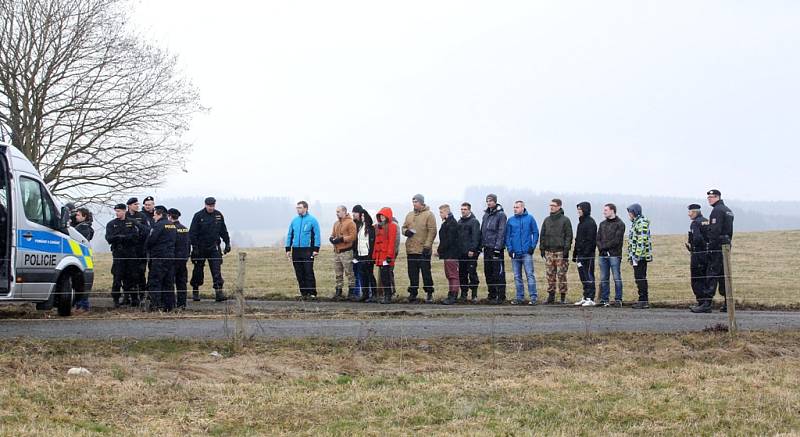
x: 38, y: 206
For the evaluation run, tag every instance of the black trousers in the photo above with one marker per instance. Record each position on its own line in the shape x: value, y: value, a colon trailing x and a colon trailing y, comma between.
x: 160, y: 286
x: 214, y: 257
x: 715, y: 274
x: 698, y: 268
x: 468, y: 274
x: 181, y: 277
x: 387, y: 279
x: 586, y: 274
x: 141, y: 271
x: 125, y: 272
x: 366, y: 271
x: 303, y: 263
x: 640, y: 276
x: 494, y: 268
x: 418, y: 263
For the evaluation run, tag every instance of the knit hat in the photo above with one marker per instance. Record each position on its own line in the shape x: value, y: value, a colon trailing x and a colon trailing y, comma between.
x: 492, y: 197
x: 419, y: 198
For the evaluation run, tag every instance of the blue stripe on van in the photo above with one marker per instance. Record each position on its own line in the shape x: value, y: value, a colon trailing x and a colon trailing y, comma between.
x: 39, y: 241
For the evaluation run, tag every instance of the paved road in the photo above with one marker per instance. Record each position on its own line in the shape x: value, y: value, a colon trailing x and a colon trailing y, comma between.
x: 412, y: 321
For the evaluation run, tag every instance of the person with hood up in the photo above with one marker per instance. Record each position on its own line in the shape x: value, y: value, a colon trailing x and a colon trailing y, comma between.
x: 493, y: 240
x: 522, y: 236
x: 385, y: 253
x: 610, y: 236
x: 448, y: 251
x: 640, y: 252
x: 342, y: 237
x: 363, y: 249
x: 697, y: 245
x: 469, y: 234
x: 555, y: 242
x: 302, y: 246
x: 420, y: 231
x: 583, y: 254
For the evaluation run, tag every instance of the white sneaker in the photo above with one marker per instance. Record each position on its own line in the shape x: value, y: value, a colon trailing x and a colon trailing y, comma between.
x: 588, y: 303
x: 580, y: 302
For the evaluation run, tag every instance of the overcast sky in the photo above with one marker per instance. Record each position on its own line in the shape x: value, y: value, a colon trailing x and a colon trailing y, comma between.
x: 371, y: 100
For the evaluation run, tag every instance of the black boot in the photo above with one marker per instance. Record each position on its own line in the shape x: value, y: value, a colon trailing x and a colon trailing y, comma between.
x: 428, y: 297
x: 412, y: 296
x: 723, y: 308
x: 563, y: 300
x: 451, y: 299
x: 387, y: 297
x: 219, y: 296
x: 338, y: 295
x: 116, y: 301
x: 463, y: 297
x: 126, y: 300
x: 702, y: 307
x: 195, y: 295
x: 551, y: 298
x: 351, y: 294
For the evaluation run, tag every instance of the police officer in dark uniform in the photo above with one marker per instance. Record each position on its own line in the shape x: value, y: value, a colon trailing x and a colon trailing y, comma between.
x: 123, y: 236
x: 719, y: 231
x: 697, y: 244
x: 182, y: 252
x: 207, y: 229
x: 148, y: 209
x: 161, y: 247
x: 143, y: 224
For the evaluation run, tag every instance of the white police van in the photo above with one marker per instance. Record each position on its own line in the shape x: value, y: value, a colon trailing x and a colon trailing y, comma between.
x: 45, y: 260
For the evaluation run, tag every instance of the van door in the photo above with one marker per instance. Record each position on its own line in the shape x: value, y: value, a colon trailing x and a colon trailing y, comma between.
x: 39, y: 242
x: 5, y: 226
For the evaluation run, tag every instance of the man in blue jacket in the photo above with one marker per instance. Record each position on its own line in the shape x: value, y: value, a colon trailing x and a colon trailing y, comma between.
x: 302, y: 246
x: 522, y: 236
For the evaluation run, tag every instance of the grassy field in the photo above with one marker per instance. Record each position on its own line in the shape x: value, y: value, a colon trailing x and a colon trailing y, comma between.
x: 682, y: 384
x: 764, y: 265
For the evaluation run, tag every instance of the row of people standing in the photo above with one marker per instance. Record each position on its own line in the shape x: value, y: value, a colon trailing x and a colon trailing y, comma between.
x: 360, y: 245
x: 150, y: 249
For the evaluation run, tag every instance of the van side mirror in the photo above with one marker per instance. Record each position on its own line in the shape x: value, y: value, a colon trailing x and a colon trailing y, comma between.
x: 64, y: 219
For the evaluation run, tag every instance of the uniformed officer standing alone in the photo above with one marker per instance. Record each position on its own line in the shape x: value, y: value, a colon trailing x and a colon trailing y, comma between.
x: 719, y: 231
x: 182, y: 251
x: 123, y: 236
x: 161, y: 247
x: 207, y: 229
x: 697, y: 245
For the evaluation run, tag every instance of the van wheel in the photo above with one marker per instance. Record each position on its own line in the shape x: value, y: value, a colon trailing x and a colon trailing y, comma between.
x: 64, y: 295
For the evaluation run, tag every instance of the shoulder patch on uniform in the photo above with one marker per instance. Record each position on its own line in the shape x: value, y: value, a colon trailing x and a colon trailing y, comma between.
x: 705, y: 223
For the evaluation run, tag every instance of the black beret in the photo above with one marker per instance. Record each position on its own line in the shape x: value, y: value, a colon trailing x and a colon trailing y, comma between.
x: 714, y: 193
x: 150, y: 198
x: 161, y: 209
x: 133, y: 200
x: 210, y: 201
x: 694, y: 206
x: 120, y: 206
x: 174, y: 212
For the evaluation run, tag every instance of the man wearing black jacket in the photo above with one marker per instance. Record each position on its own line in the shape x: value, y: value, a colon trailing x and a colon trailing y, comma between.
x: 143, y: 223
x: 448, y: 251
x: 207, y: 229
x: 123, y: 236
x: 583, y: 254
x: 610, y: 236
x: 697, y: 245
x: 719, y: 232
x: 493, y: 240
x: 469, y: 235
x: 161, y: 247
x: 182, y: 253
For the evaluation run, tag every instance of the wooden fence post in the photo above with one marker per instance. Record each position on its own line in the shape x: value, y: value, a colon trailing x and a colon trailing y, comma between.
x: 239, y: 291
x: 730, y: 302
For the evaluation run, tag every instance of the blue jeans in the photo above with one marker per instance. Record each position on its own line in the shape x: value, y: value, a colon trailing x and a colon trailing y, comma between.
x: 612, y: 264
x: 518, y: 263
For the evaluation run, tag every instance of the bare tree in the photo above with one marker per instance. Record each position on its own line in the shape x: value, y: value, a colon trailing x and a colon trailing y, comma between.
x: 96, y: 108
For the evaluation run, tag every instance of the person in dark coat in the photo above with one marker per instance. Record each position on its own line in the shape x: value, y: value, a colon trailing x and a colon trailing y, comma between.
x: 144, y: 223
x: 205, y: 233
x: 469, y: 234
x: 182, y: 253
x: 493, y: 240
x: 697, y: 245
x: 83, y: 224
x: 719, y: 232
x: 610, y: 237
x: 583, y: 254
x: 363, y: 248
x: 449, y: 250
x: 123, y: 236
x: 555, y: 242
x: 161, y: 247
